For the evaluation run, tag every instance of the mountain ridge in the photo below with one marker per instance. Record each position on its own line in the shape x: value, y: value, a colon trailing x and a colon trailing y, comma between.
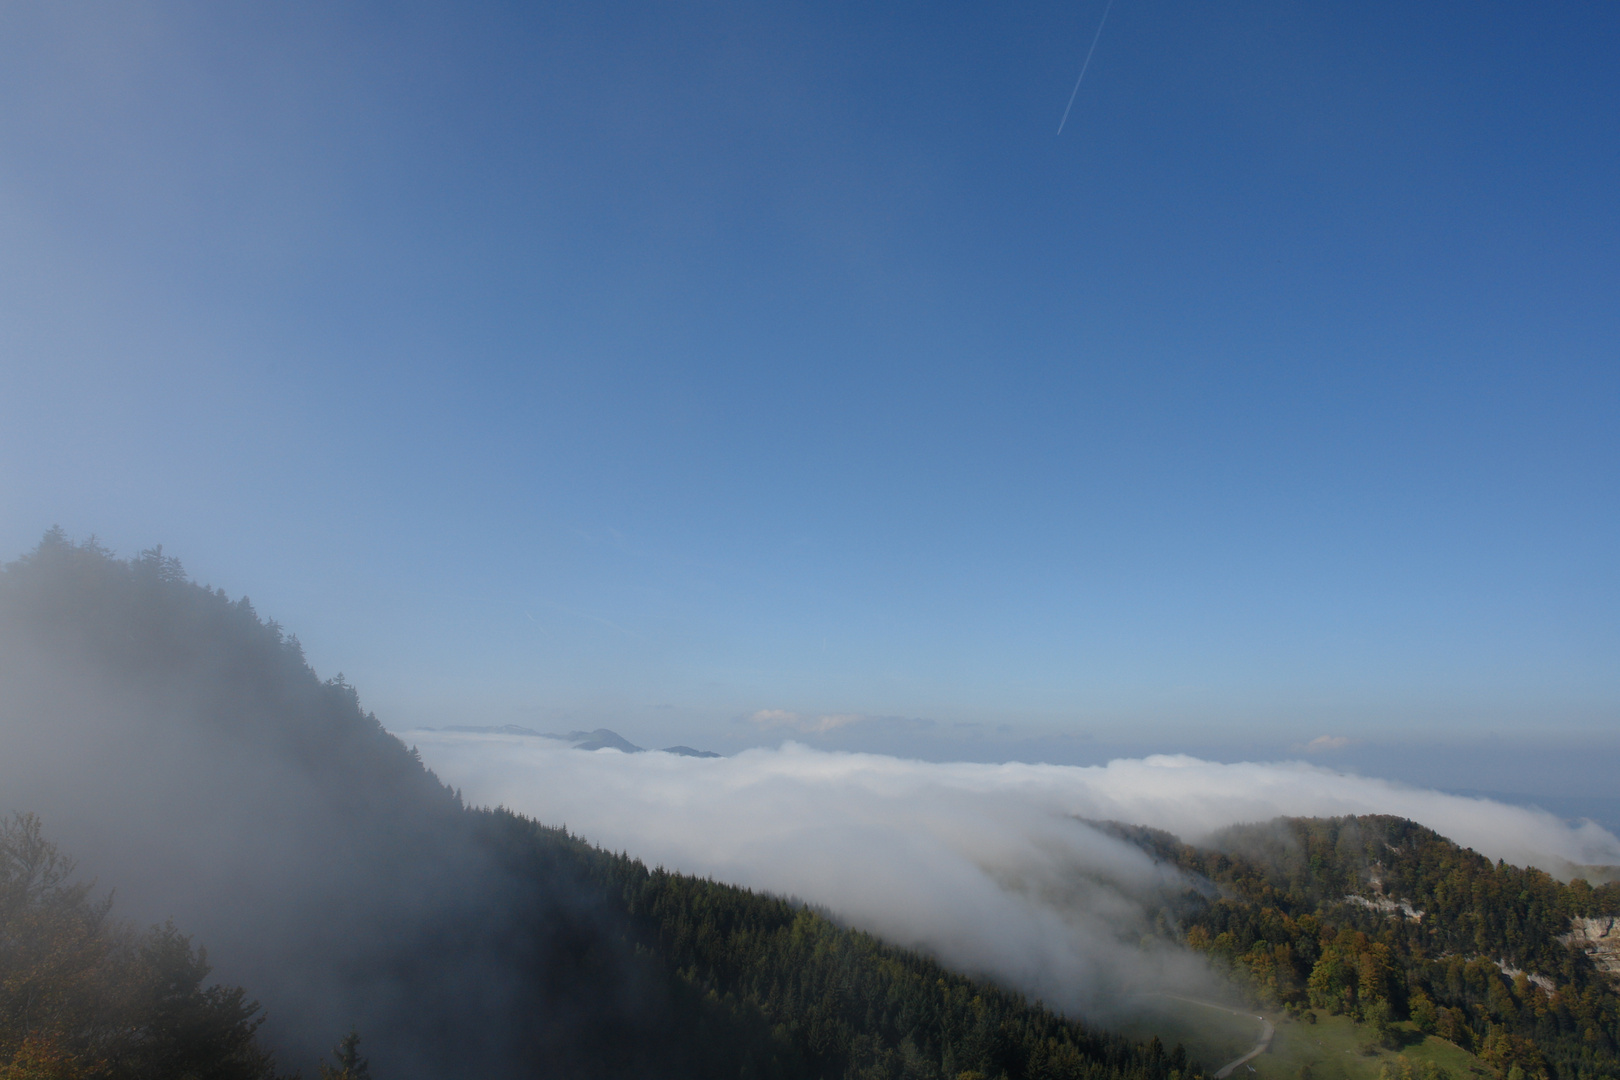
x: 599, y: 739
x: 183, y: 748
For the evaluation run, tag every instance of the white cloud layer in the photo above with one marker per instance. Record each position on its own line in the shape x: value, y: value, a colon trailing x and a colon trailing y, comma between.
x: 984, y: 865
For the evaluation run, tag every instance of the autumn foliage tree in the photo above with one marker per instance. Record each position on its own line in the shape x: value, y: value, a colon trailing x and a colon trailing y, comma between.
x: 85, y: 996
x: 1307, y: 914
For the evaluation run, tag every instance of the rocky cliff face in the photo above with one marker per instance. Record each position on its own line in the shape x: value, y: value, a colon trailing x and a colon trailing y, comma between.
x: 1599, y: 939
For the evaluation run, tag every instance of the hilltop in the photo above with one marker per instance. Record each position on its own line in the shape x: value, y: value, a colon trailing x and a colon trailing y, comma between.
x: 1398, y: 929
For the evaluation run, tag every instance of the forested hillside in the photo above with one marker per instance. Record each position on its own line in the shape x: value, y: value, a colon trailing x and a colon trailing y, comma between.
x: 1386, y: 921
x: 182, y: 747
x: 832, y: 1001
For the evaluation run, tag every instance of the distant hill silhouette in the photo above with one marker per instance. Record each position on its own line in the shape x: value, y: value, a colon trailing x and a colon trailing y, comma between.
x: 600, y: 739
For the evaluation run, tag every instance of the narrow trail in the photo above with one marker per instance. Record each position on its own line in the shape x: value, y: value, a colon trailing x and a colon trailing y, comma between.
x: 1267, y: 1030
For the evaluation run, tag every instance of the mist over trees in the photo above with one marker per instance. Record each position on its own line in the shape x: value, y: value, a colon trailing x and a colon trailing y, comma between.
x: 183, y: 749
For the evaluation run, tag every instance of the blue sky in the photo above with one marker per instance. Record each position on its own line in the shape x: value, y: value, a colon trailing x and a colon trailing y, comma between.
x: 659, y: 366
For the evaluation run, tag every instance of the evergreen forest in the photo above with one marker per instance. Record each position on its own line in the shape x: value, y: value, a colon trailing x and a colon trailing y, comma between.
x: 190, y: 752
x: 226, y: 795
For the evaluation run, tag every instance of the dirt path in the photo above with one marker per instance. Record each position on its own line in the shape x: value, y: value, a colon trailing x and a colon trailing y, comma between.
x: 1267, y: 1030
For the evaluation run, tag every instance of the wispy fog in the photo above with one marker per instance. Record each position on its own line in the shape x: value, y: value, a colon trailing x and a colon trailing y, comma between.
x: 185, y: 754
x: 988, y: 866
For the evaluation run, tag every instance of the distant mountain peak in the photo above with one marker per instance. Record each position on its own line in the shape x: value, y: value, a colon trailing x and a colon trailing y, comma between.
x: 600, y: 739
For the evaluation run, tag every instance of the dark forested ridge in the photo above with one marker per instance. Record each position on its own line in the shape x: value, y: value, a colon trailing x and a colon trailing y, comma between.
x: 1387, y: 921
x: 823, y: 1000
x: 182, y: 747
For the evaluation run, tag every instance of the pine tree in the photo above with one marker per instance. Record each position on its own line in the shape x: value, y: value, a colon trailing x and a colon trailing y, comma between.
x: 350, y: 1065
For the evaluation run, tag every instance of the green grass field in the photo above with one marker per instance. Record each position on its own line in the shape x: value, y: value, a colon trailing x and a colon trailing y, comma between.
x: 1211, y: 1036
x: 1333, y: 1047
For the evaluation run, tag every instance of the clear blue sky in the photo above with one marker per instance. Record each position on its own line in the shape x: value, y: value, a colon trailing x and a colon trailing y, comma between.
x: 661, y: 365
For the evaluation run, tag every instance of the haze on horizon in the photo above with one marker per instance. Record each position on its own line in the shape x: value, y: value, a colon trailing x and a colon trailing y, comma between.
x: 725, y: 375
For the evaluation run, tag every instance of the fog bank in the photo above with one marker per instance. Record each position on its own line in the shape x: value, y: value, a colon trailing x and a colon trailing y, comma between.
x: 986, y: 865
x: 182, y: 751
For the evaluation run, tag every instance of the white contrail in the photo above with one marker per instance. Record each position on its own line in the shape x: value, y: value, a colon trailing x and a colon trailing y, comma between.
x: 1073, y: 93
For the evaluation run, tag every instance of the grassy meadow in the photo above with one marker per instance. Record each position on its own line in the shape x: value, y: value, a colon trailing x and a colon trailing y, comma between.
x: 1334, y: 1047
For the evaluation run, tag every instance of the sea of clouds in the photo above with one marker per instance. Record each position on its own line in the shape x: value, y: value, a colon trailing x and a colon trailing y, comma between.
x: 987, y: 866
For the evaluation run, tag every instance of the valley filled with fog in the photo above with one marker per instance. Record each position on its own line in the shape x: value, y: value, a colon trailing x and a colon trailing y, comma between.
x: 1054, y: 541
x: 992, y: 867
